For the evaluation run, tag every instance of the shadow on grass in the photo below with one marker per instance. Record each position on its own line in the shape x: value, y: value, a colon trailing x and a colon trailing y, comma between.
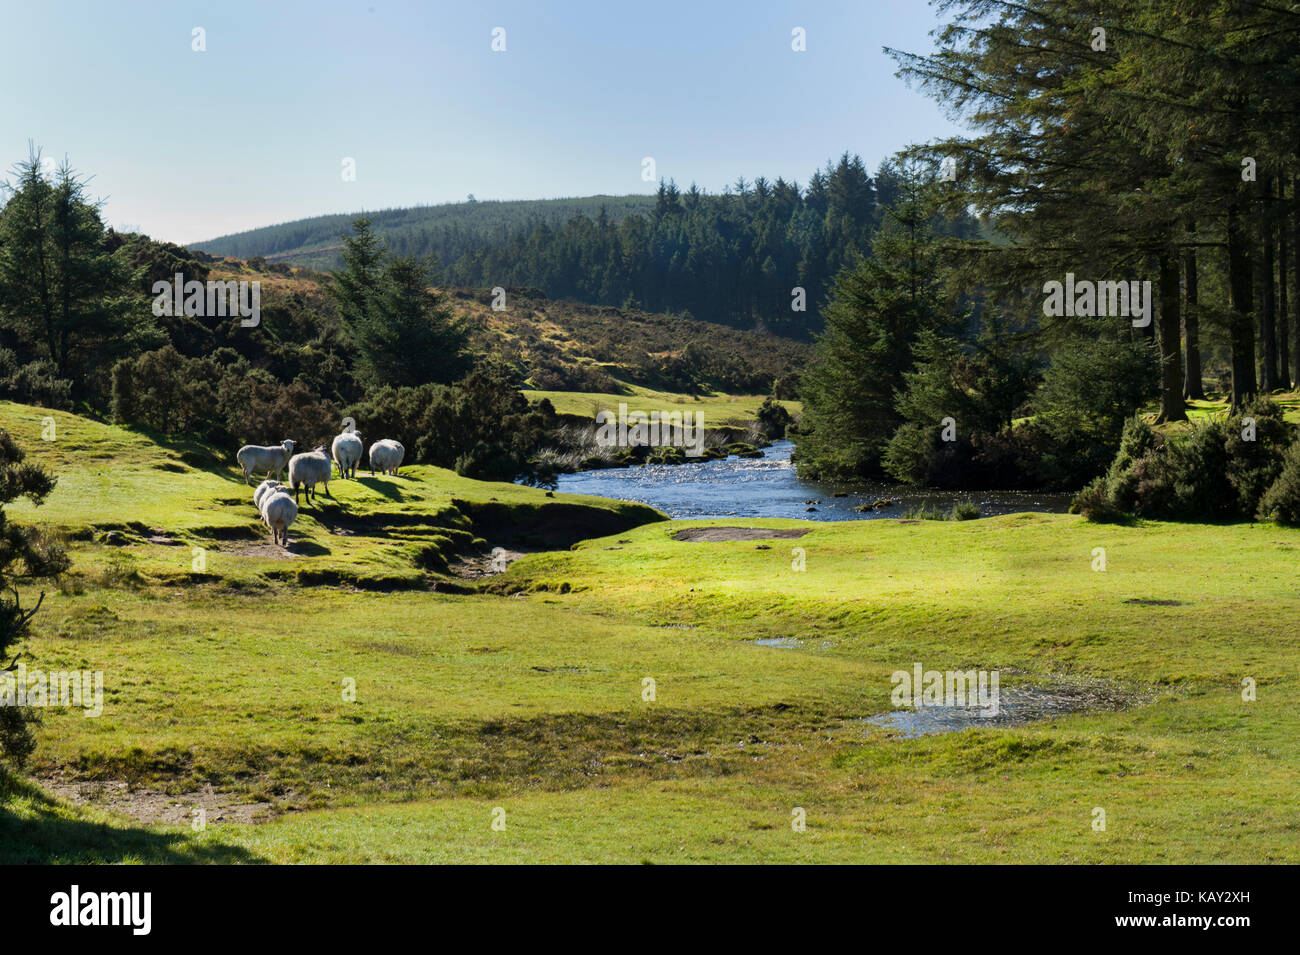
x: 385, y: 487
x: 34, y: 829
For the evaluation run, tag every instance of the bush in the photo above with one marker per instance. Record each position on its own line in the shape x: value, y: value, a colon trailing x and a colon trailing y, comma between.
x: 1281, y: 502
x: 482, y: 426
x: 964, y: 511
x: 36, y: 383
x: 1256, y: 444
x: 773, y: 419
x: 1096, y: 504
x: 166, y: 392
x: 1220, y: 470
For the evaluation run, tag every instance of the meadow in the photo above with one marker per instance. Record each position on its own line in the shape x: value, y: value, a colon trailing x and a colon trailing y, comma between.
x: 363, y: 699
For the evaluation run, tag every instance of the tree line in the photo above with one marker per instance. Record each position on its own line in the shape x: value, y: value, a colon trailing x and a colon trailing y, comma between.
x: 736, y: 258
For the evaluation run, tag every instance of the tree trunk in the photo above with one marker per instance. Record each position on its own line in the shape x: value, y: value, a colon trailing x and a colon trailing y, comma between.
x: 1283, y: 303
x: 1264, y: 280
x: 1193, y: 387
x: 1171, y: 365
x: 1295, y: 274
x: 1241, y: 329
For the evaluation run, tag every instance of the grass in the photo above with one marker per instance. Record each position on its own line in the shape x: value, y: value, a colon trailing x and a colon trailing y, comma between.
x: 529, y: 696
x: 718, y: 410
x: 167, y: 499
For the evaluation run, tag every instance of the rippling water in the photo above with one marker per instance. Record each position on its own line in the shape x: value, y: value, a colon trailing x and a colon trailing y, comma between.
x: 767, y: 487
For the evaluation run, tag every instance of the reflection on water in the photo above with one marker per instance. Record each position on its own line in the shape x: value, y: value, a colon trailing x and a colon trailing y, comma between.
x: 767, y: 487
x: 1015, y: 707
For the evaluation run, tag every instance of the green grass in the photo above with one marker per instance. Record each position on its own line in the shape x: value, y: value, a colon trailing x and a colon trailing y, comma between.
x: 380, y: 531
x: 528, y: 696
x: 718, y: 410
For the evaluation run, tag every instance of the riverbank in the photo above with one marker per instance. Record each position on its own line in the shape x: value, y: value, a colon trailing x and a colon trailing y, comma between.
x: 769, y: 487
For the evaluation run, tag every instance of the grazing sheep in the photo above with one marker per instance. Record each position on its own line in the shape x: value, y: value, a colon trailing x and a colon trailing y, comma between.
x: 279, y: 511
x: 347, y: 448
x: 386, y: 456
x: 262, y: 459
x: 308, y: 470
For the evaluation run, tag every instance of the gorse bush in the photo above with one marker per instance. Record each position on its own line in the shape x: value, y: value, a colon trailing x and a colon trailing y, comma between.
x: 220, y: 399
x: 1220, y: 470
x: 773, y: 419
x: 36, y: 383
x: 1281, y: 502
x: 1256, y: 443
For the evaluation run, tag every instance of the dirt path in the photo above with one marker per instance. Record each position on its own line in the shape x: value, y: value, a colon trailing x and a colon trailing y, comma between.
x: 151, y: 806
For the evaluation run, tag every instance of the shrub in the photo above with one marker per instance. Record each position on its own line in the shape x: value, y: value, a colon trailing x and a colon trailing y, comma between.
x: 36, y: 383
x: 773, y: 419
x: 964, y: 511
x: 1281, y: 502
x: 1256, y: 444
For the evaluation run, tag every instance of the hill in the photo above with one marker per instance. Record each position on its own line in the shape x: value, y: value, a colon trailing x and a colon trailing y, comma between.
x: 447, y: 230
x: 559, y: 345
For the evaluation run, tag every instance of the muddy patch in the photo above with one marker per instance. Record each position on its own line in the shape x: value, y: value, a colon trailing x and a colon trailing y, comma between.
x: 263, y: 551
x: 715, y: 534
x: 1015, y: 706
x: 151, y: 806
x: 1152, y: 602
x: 479, y: 566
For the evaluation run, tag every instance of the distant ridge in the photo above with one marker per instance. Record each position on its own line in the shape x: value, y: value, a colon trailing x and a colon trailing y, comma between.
x: 446, y: 230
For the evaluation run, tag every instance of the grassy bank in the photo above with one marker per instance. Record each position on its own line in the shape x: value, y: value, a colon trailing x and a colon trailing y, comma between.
x: 227, y: 690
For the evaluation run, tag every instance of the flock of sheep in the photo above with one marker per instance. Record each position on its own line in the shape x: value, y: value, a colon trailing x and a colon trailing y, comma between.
x: 272, y: 499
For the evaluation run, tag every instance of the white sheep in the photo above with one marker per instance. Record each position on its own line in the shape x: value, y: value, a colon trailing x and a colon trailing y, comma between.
x: 347, y: 448
x: 279, y: 511
x: 263, y: 489
x: 263, y: 459
x: 386, y: 456
x: 309, y: 469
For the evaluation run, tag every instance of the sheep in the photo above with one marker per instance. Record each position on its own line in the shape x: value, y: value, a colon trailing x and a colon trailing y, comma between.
x: 386, y: 456
x: 347, y: 448
x: 308, y: 470
x: 262, y: 490
x: 260, y: 459
x: 278, y: 512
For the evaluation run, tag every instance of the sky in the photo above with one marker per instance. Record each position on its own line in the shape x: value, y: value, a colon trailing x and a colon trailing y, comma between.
x: 253, y: 130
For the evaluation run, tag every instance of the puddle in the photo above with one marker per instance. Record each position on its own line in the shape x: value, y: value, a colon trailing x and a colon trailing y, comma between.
x: 1017, y: 706
x: 791, y: 643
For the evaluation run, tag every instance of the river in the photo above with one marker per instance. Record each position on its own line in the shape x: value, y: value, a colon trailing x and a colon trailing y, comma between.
x: 768, y: 487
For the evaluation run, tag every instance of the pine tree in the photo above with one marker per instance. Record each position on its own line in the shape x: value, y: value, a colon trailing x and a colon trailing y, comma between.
x: 877, y: 311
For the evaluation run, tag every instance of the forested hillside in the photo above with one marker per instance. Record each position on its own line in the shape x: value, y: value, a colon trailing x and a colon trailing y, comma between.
x: 445, y: 231
x: 762, y: 254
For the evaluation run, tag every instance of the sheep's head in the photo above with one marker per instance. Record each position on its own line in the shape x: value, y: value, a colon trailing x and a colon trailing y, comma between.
x: 319, y: 449
x: 288, y: 445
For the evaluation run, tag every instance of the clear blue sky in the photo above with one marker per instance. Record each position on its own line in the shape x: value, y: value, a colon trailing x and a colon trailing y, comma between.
x: 189, y: 145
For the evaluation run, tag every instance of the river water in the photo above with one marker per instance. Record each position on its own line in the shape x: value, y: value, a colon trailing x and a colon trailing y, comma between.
x: 768, y: 487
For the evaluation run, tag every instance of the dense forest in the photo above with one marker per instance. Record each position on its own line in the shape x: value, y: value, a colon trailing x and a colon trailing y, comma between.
x: 1151, y: 144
